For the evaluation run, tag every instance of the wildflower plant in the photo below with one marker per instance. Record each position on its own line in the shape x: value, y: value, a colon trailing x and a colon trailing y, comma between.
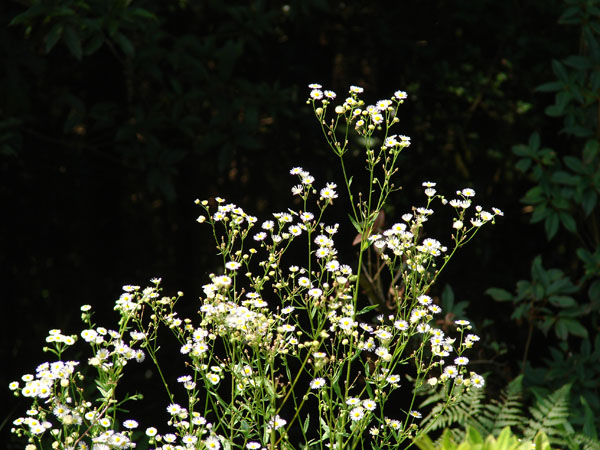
x: 282, y: 355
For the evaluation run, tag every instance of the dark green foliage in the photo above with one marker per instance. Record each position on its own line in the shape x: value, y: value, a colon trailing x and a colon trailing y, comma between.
x: 564, y: 197
x: 549, y: 415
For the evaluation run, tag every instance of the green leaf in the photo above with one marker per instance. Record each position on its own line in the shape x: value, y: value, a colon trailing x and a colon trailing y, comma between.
x: 143, y: 13
x: 594, y: 291
x: 500, y: 295
x: 562, y: 301
x: 53, y: 36
x: 568, y: 221
x: 124, y: 43
x: 553, y: 86
x: 590, y: 150
x: 356, y: 225
x: 534, y: 195
x: 576, y: 328
x: 589, y: 422
x: 554, y: 111
x: 575, y: 164
x: 563, y: 177
x: 559, y: 70
x: 566, y: 325
x: 588, y: 203
x: 571, y: 15
x: 534, y: 141
x: 523, y: 164
x: 94, y: 44
x: 367, y: 309
x: 551, y: 224
x: 578, y: 62
x: 73, y: 42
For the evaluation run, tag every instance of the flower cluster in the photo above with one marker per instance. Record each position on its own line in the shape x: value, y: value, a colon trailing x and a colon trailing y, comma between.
x: 278, y: 339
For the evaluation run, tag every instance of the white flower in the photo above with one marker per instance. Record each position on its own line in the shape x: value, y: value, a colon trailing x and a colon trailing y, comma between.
x: 316, y: 94
x: 477, y: 380
x: 130, y: 424
x: 461, y: 361
x: 317, y: 383
x: 232, y: 265
x: 315, y: 292
x: 277, y: 422
x: 357, y: 413
x: 369, y: 404
x: 400, y: 95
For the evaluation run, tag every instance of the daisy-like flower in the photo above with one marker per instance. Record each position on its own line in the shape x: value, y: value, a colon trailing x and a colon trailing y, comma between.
x: 390, y: 141
x: 369, y: 405
x: 277, y: 422
x: 297, y: 190
x: 435, y: 309
x: 356, y: 90
x: 401, y: 325
x: 295, y: 230
x: 352, y: 401
x: 382, y: 105
x: 170, y: 437
x: 287, y: 310
x: 477, y: 380
x: 451, y: 371
x: 330, y: 95
x: 260, y: 236
x: 461, y: 361
x: 328, y: 192
x: 357, y: 413
x: 416, y: 414
x: 304, y: 282
x: 377, y: 118
x: 173, y: 409
x: 468, y: 192
x: 151, y: 431
x: 322, y: 252
x: 424, y: 300
x: 393, y: 379
x: 316, y: 94
x: 472, y: 337
x: 400, y: 95
x: 307, y: 216
x: 315, y: 86
x: 212, y: 443
x: 462, y: 322
x: 189, y: 439
x: 252, y: 445
x: 130, y: 424
x: 486, y: 216
x: 232, y: 265
x: 213, y: 378
x: 315, y: 292
x: 268, y: 225
x: 346, y: 323
x: 332, y: 265
x: 317, y: 383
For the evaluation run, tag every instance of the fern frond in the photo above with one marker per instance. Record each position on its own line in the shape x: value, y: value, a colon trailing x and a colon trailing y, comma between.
x: 583, y: 442
x: 550, y: 415
x: 505, y: 412
x: 461, y: 412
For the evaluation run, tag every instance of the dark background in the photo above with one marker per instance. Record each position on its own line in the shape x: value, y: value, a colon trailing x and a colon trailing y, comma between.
x: 114, y: 117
